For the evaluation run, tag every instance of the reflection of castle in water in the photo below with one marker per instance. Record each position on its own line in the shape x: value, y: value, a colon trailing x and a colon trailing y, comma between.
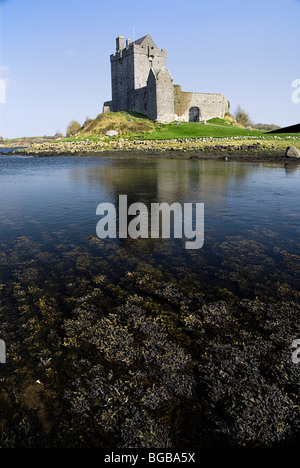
x: 164, y: 180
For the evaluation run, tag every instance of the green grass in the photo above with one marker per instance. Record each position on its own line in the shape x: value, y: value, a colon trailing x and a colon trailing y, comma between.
x: 216, y: 129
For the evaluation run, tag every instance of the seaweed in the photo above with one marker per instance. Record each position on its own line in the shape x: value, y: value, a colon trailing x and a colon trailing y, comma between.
x: 129, y: 343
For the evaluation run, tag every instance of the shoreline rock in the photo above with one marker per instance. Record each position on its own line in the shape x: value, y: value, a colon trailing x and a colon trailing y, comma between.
x: 292, y: 152
x: 203, y: 149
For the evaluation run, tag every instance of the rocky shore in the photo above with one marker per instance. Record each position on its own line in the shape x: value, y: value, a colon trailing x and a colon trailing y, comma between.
x: 235, y: 149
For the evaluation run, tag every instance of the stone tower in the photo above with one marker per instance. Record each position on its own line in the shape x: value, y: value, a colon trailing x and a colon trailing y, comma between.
x: 140, y: 80
x: 142, y: 83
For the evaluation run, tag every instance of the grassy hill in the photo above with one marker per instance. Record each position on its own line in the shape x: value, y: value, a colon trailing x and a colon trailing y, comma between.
x: 123, y: 122
x: 132, y: 126
x: 135, y: 126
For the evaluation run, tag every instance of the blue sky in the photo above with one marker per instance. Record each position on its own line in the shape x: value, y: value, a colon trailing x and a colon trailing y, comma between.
x: 54, y: 55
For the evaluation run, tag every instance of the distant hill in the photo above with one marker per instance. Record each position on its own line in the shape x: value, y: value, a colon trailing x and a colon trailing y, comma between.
x: 265, y: 127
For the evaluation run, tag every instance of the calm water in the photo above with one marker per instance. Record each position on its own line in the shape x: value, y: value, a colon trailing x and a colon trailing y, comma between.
x: 53, y: 200
x: 140, y: 342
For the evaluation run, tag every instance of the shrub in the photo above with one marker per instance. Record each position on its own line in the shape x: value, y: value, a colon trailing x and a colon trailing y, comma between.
x: 72, y: 128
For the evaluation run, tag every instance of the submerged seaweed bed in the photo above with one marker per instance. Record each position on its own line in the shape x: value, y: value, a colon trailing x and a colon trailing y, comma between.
x: 126, y: 345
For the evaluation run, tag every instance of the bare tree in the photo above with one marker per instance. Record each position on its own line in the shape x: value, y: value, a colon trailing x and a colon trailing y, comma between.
x: 242, y: 117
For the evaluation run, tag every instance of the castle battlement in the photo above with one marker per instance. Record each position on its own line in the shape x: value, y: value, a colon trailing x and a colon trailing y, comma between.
x: 144, y: 45
x: 142, y: 83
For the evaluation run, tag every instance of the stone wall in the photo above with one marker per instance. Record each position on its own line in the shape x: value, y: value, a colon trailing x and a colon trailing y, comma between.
x: 122, y: 82
x: 209, y: 105
x: 140, y: 100
x: 164, y: 96
x: 147, y: 56
x: 107, y: 107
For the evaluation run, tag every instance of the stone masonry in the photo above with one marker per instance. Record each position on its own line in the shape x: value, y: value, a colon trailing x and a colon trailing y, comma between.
x: 142, y: 83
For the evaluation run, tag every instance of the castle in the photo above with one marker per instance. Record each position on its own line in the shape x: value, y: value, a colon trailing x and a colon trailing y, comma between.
x: 142, y: 83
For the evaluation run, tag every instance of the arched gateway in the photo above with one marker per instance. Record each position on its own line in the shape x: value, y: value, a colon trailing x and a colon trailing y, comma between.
x: 194, y: 114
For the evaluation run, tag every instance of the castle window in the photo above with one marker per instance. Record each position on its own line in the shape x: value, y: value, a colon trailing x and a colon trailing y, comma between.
x: 145, y: 106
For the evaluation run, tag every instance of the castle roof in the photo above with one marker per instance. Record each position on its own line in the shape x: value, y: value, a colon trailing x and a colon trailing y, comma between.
x: 140, y: 41
x: 143, y: 39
